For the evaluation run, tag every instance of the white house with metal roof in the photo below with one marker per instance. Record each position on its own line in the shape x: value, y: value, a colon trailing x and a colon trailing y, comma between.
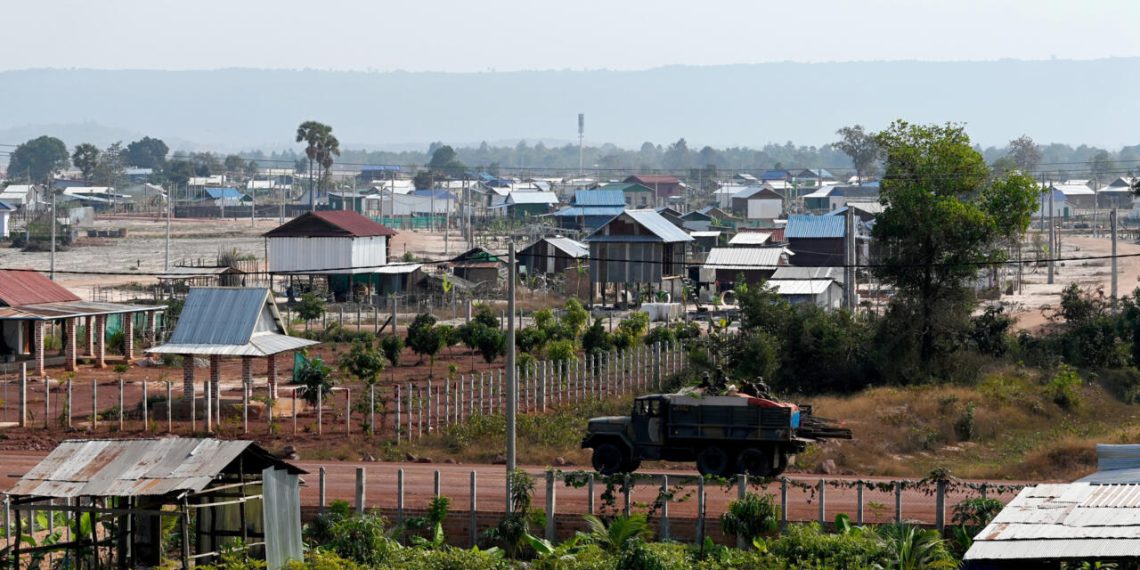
x: 724, y: 265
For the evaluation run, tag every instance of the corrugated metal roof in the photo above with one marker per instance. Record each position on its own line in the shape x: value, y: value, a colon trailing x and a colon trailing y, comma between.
x: 808, y: 226
x: 330, y: 223
x: 578, y: 211
x: 793, y: 272
x: 220, y: 315
x: 799, y: 286
x: 573, y: 248
x: 1064, y: 521
x: 532, y: 198
x: 625, y: 187
x: 1116, y: 463
x: 599, y: 198
x: 658, y: 226
x: 224, y: 193
x: 397, y: 268
x: 27, y: 287
x: 47, y: 311
x: 125, y: 468
x: 260, y: 344
x: 650, y: 179
x: 750, y: 238
x: 705, y: 234
x: 744, y: 258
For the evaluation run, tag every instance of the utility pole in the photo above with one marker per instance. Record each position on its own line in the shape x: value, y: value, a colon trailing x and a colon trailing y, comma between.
x: 512, y: 374
x: 581, y: 131
x: 169, y: 209
x: 52, y: 191
x: 1052, y: 232
x: 1112, y: 228
x: 849, y: 264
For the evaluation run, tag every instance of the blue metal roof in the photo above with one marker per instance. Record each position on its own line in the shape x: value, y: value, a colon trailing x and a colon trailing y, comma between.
x: 227, y: 192
x: 775, y: 174
x: 579, y: 211
x: 220, y: 315
x: 440, y: 194
x: 599, y: 198
x: 389, y: 168
x: 808, y: 226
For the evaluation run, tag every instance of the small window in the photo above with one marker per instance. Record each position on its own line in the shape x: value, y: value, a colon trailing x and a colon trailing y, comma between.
x: 654, y: 408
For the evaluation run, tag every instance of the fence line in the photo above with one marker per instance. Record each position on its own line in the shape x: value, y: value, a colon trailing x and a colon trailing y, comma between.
x: 403, y: 412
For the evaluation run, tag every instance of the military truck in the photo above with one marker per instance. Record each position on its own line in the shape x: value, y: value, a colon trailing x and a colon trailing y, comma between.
x: 730, y: 434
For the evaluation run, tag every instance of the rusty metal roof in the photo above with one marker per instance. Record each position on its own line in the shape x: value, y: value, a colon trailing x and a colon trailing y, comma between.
x: 27, y: 287
x: 1063, y: 521
x: 48, y: 311
x: 330, y: 223
x: 126, y: 468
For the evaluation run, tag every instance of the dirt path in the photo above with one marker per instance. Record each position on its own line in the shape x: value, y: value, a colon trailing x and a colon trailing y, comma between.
x: 1031, y: 307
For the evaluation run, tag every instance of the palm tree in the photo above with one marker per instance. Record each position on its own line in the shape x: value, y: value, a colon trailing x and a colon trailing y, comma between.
x: 312, y: 133
x: 329, y: 147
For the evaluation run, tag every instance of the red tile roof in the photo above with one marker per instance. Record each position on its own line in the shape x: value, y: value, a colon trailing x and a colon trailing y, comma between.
x: 20, y: 287
x: 330, y: 223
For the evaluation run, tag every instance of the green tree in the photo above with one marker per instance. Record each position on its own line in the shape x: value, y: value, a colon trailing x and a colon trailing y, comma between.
x: 109, y: 167
x: 38, y: 159
x: 316, y: 377
x: 392, y: 345
x: 85, y: 157
x: 235, y: 164
x: 485, y: 315
x: 861, y: 147
x: 310, y: 307
x: 1025, y: 153
x: 575, y: 317
x: 320, y: 147
x: 424, y: 338
x: 1100, y: 167
x: 147, y: 153
x: 179, y: 171
x: 492, y: 343
x: 596, y: 339
x: 933, y: 235
x: 363, y: 361
x: 445, y: 161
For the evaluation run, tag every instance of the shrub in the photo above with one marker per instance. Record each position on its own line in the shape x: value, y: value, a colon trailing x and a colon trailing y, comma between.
x: 560, y: 350
x: 751, y: 516
x: 1063, y: 387
x: 486, y: 316
x: 363, y: 361
x: 976, y: 512
x: 491, y: 343
x: 661, y: 335
x: 315, y: 376
x: 575, y: 317
x: 596, y: 338
x: 310, y: 307
x: 807, y: 546
x: 635, y: 324
x: 530, y: 339
x: 361, y: 539
x: 392, y: 345
x: 423, y: 338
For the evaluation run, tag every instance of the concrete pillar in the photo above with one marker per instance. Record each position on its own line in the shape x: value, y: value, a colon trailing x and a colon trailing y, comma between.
x: 271, y: 373
x: 70, y: 326
x: 128, y: 336
x: 150, y: 334
x: 89, y: 336
x: 187, y: 376
x: 38, y: 346
x: 100, y: 341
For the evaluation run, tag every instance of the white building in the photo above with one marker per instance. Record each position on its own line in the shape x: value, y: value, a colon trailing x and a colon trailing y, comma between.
x: 331, y: 242
x: 5, y: 212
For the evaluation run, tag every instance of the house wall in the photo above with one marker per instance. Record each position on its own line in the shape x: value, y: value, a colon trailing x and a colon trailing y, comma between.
x: 4, y: 217
x: 765, y: 209
x: 327, y: 255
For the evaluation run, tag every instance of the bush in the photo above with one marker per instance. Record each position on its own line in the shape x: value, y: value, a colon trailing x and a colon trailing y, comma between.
x: 751, y: 516
x: 597, y: 340
x: 361, y: 539
x: 392, y: 345
x: 663, y: 335
x: 315, y: 376
x: 807, y: 546
x: 310, y: 307
x: 1064, y: 387
x: 561, y: 351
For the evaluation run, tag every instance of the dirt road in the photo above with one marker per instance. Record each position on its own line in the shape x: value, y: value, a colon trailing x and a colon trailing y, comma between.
x: 380, y: 490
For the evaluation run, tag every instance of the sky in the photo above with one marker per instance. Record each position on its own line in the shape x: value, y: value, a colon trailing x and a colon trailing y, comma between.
x: 512, y: 35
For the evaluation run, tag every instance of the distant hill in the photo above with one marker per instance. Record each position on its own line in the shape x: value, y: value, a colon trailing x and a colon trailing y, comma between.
x: 1090, y: 102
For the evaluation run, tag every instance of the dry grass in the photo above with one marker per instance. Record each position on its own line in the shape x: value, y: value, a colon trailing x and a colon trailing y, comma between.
x: 1015, y: 430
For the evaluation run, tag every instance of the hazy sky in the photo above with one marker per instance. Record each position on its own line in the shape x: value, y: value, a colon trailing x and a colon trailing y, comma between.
x: 502, y: 35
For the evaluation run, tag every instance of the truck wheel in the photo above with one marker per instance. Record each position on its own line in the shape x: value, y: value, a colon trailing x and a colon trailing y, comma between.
x: 781, y: 463
x: 631, y: 465
x: 712, y: 461
x: 608, y: 459
x: 754, y: 462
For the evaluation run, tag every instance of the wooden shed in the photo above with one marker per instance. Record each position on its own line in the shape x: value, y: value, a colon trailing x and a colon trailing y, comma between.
x: 638, y: 247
